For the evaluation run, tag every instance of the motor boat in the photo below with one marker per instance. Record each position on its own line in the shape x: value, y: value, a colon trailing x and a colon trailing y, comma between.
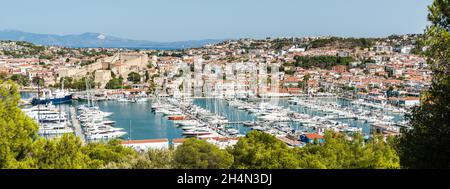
x: 198, y: 131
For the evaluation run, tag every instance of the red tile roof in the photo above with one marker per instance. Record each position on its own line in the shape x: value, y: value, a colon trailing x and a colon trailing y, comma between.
x: 178, y: 140
x: 293, y: 90
x: 291, y: 80
x: 314, y: 136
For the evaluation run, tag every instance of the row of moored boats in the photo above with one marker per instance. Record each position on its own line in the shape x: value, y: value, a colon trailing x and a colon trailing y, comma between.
x: 194, y: 120
x: 96, y: 124
x: 52, y: 121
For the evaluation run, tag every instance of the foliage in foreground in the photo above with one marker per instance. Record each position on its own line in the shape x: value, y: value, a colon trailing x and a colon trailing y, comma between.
x: 199, y: 154
x: 16, y: 129
x: 259, y: 150
x: 427, y: 145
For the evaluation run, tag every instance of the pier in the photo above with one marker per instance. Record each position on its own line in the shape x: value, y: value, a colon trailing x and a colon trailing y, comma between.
x: 345, y: 117
x: 76, y: 125
x: 274, y: 121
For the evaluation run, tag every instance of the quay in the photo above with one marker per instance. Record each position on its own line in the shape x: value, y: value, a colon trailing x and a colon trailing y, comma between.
x: 76, y: 125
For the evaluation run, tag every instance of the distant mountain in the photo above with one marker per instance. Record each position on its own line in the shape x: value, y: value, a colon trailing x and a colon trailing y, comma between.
x: 99, y: 40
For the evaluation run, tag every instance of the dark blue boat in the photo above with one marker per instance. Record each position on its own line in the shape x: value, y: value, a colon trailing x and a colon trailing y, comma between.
x: 53, y: 100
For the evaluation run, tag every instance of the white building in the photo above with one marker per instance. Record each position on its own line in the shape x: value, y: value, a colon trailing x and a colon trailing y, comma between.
x: 383, y: 49
x: 296, y: 49
x: 409, y: 101
x: 145, y: 145
x: 406, y: 49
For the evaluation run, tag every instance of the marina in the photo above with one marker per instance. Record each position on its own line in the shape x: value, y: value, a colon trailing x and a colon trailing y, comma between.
x: 213, y: 118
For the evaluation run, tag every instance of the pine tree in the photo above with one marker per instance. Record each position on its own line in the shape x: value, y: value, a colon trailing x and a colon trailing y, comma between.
x: 259, y: 150
x: 16, y: 129
x: 427, y: 144
x: 199, y: 154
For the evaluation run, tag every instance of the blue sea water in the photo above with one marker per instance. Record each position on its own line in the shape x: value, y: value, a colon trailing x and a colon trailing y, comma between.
x: 135, y: 117
x: 141, y: 123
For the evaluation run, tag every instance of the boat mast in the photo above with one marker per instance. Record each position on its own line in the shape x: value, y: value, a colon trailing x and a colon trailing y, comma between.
x: 62, y: 89
x: 39, y: 98
x: 87, y: 93
x: 123, y: 94
x: 129, y: 135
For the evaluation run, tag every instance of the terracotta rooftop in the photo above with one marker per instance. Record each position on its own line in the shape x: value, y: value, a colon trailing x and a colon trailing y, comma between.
x: 291, y: 79
x: 314, y: 136
x: 178, y: 140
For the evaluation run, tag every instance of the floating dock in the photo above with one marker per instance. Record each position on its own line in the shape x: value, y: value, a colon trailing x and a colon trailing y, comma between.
x: 76, y: 125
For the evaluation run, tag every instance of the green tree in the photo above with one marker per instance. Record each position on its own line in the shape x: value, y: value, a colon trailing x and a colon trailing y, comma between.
x: 134, y: 77
x: 109, y: 154
x: 16, y: 129
x: 114, y: 83
x: 304, y: 83
x: 160, y: 158
x: 63, y: 153
x: 199, y: 154
x: 20, y: 147
x: 426, y: 145
x: 38, y: 80
x: 338, y: 152
x: 324, y: 62
x: 152, y: 85
x: 79, y: 84
x: 153, y: 159
x: 259, y: 150
x: 383, y: 153
x: 147, y: 76
x: 86, y: 62
x: 20, y: 79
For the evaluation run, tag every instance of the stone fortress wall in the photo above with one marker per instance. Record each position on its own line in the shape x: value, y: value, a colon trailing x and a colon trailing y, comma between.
x: 121, y: 64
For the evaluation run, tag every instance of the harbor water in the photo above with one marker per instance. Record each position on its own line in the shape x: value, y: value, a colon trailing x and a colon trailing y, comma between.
x: 138, y: 120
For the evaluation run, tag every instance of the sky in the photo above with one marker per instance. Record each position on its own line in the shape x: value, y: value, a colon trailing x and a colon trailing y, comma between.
x: 178, y: 20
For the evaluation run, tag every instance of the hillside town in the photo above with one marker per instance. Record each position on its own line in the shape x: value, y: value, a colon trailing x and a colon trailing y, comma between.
x: 384, y: 71
x: 218, y: 85
x: 371, y: 83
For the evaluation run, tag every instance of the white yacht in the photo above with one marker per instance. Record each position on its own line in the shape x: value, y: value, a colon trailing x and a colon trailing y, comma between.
x: 232, y: 131
x: 198, y: 131
x: 104, y: 135
x: 186, y: 122
x: 53, y: 129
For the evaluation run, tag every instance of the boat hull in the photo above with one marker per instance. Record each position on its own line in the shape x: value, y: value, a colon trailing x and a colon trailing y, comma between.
x: 175, y: 117
x: 62, y: 100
